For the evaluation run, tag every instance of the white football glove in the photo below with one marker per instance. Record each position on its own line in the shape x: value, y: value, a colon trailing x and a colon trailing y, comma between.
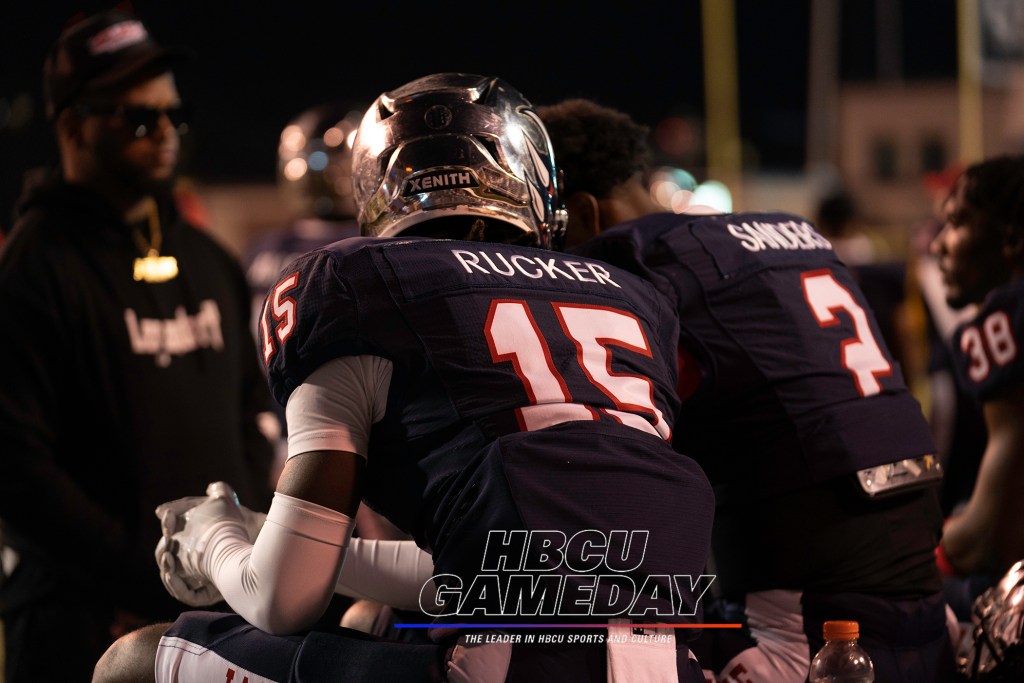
x: 172, y: 575
x: 187, y: 525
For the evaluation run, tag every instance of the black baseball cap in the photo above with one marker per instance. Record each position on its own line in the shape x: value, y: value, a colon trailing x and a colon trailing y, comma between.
x: 101, y: 52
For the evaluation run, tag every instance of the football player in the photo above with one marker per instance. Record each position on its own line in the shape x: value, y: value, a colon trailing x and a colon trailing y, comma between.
x: 980, y: 250
x: 821, y: 459
x: 314, y: 176
x: 508, y: 406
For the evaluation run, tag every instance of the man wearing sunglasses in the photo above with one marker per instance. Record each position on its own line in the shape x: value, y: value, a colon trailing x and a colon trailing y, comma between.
x: 131, y: 375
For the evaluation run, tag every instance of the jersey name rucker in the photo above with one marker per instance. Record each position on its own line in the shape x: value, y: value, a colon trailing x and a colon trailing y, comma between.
x: 518, y: 375
x: 517, y: 338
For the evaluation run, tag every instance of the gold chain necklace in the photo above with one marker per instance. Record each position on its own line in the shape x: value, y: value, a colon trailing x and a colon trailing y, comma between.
x: 153, y: 267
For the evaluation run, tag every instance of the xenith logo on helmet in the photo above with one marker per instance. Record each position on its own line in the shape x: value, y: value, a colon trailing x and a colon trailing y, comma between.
x: 440, y: 180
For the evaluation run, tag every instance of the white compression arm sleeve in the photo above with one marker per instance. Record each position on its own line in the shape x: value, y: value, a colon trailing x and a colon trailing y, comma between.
x: 389, y: 572
x: 283, y: 582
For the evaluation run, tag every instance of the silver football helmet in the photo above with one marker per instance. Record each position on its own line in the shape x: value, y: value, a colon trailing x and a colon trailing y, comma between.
x: 457, y: 148
x: 314, y: 160
x: 993, y: 652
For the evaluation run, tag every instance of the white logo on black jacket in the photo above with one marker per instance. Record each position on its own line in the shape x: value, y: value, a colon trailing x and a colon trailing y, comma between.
x: 175, y: 336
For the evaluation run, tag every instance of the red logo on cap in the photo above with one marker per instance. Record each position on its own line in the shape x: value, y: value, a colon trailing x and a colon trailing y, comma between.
x: 118, y: 36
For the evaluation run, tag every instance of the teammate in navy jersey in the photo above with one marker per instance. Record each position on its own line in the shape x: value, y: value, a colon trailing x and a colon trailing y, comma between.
x: 507, y: 405
x: 981, y: 255
x: 314, y: 176
x: 821, y: 459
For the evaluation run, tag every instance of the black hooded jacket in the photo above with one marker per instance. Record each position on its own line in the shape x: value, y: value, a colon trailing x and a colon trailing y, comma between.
x: 115, y: 396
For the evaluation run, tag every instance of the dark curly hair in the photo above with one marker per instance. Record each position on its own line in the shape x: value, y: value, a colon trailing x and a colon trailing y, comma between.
x: 993, y: 192
x: 596, y: 147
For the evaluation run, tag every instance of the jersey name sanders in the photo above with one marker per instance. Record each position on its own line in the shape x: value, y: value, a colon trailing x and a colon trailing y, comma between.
x: 760, y: 235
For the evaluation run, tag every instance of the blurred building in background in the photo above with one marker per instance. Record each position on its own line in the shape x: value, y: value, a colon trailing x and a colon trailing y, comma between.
x: 875, y: 134
x: 862, y: 97
x: 892, y: 136
x: 893, y: 133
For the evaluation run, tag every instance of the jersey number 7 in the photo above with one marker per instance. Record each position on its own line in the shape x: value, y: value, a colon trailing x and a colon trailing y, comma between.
x: 861, y: 355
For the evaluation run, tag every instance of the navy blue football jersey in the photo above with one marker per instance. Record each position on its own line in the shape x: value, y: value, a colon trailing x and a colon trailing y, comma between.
x: 272, y: 253
x: 795, y: 384
x: 268, y: 256
x: 532, y: 392
x: 987, y: 350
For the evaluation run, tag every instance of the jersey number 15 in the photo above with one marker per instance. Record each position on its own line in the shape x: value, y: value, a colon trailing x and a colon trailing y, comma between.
x: 514, y: 336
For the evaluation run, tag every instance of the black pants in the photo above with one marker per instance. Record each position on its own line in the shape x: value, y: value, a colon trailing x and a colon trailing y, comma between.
x: 55, y: 638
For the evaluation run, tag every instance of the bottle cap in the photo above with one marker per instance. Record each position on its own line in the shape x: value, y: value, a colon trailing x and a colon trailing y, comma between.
x: 841, y: 630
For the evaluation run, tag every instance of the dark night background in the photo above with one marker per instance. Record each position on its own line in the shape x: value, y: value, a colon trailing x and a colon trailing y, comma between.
x: 256, y: 67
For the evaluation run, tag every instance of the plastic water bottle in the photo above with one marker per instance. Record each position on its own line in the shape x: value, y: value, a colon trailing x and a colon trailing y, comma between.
x: 841, y: 660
